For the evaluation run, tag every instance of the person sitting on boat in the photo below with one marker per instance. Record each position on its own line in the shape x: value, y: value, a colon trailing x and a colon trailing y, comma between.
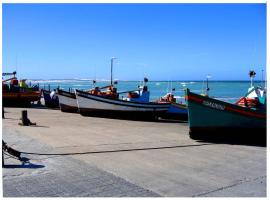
x: 112, y: 92
x: 53, y: 94
x: 133, y: 94
x: 95, y: 91
x: 14, y: 85
x: 168, y: 98
x: 23, y: 83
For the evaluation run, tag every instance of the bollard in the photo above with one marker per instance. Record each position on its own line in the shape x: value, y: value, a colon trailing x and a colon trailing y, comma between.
x: 25, y: 120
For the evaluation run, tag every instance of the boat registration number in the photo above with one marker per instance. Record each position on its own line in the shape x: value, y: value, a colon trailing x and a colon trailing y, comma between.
x: 213, y: 105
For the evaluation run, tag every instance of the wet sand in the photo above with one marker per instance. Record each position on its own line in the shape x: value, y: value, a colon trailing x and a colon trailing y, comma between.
x: 124, y: 158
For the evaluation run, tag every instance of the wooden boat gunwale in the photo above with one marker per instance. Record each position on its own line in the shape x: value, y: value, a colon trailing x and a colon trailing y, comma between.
x: 121, y: 102
x: 66, y: 93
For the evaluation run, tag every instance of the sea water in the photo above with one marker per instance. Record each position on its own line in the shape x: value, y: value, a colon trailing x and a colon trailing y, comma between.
x: 229, y: 91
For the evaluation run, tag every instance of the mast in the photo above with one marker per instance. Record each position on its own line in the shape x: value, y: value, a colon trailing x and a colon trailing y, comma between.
x: 207, y: 86
x: 252, y: 74
x: 263, y: 81
x: 113, y: 58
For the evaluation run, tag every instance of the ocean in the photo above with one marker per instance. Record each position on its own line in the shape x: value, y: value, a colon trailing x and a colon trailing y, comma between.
x: 229, y: 91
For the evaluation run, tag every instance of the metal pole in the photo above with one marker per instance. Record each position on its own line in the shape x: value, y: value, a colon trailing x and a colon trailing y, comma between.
x: 207, y: 88
x: 262, y: 78
x: 207, y: 83
x: 111, y: 70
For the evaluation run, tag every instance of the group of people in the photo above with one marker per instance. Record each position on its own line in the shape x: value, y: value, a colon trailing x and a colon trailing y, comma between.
x: 111, y: 91
x: 168, y: 98
x: 14, y: 84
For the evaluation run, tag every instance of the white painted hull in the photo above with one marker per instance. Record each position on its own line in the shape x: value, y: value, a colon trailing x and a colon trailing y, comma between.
x: 67, y: 101
x: 88, y: 103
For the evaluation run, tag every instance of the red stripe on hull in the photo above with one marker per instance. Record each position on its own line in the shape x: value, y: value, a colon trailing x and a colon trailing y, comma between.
x: 195, y: 99
x: 245, y: 112
x: 228, y: 108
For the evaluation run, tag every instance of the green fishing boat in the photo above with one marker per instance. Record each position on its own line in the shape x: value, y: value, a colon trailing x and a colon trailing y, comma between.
x: 209, y: 117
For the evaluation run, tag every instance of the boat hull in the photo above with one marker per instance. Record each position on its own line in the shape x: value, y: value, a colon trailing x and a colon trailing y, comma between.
x: 176, y: 111
x: 215, y: 118
x: 67, y: 101
x: 93, y: 105
x: 20, y: 99
x: 49, y: 102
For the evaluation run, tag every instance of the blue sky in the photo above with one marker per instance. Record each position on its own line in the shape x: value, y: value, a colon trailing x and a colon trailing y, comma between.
x: 160, y: 41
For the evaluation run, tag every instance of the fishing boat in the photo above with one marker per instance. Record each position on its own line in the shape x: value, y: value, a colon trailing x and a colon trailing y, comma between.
x: 135, y: 106
x: 177, y: 110
x: 67, y: 101
x: 51, y: 100
x: 212, y: 118
x: 18, y: 93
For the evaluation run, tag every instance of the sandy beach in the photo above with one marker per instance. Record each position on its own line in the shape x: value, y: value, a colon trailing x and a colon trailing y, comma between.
x: 124, y: 158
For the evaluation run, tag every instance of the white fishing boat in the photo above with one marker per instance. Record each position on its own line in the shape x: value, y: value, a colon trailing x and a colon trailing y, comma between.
x: 67, y: 101
x: 135, y: 106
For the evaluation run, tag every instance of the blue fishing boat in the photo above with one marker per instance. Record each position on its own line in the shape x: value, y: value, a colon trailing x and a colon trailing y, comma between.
x: 177, y: 110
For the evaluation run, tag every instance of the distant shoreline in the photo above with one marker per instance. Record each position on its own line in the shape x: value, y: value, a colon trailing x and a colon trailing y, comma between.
x: 85, y: 80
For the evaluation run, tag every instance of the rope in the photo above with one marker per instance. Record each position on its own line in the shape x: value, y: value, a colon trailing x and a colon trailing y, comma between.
x: 111, y: 151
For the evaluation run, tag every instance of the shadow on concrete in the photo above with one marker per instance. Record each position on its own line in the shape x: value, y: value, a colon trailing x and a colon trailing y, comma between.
x: 137, y: 119
x: 25, y: 164
x: 38, y: 106
x: 28, y: 165
x: 39, y: 126
x: 233, y: 141
x: 232, y: 136
x: 171, y: 121
x: 33, y: 125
